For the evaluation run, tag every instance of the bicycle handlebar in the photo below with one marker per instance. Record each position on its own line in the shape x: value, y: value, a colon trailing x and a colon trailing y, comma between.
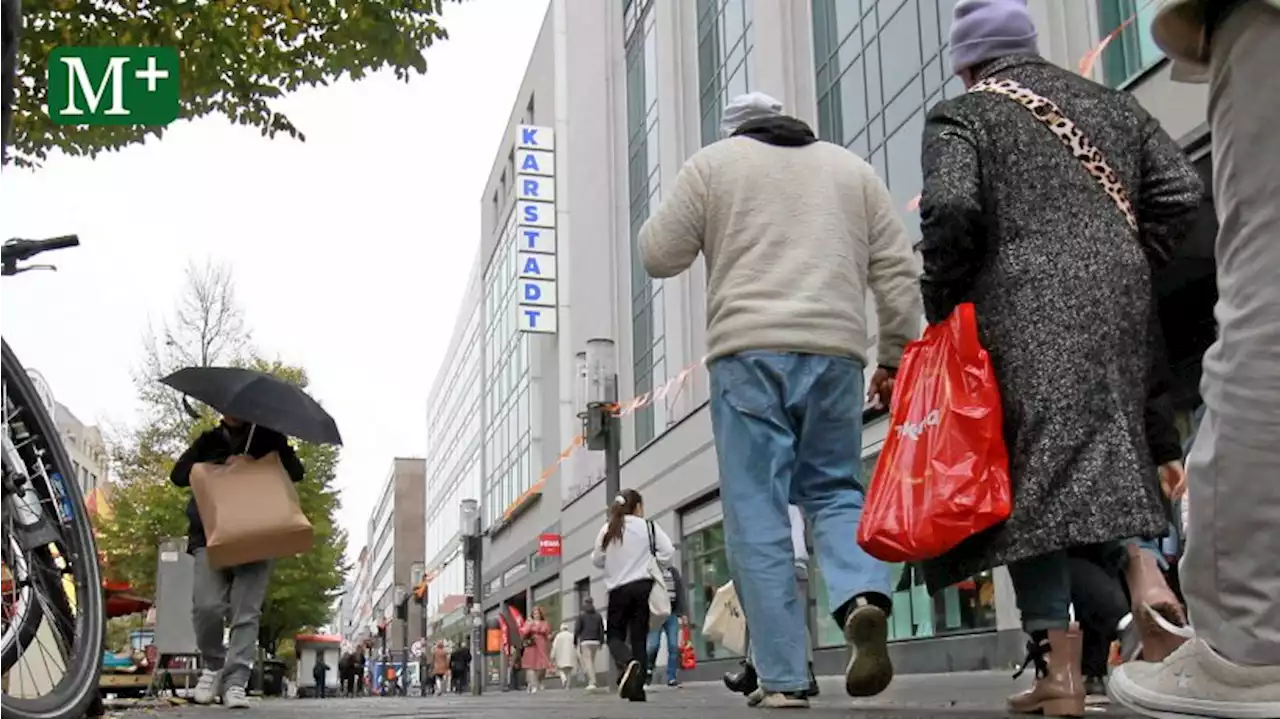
x: 21, y: 250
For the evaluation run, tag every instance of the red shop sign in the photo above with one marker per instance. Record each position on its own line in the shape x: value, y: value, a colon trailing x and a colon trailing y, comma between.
x: 548, y: 545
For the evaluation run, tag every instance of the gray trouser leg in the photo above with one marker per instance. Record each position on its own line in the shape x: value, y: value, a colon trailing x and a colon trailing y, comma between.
x: 239, y: 593
x: 1230, y: 574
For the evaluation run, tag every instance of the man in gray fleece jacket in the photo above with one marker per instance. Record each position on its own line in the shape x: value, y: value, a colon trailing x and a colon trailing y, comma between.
x: 794, y: 233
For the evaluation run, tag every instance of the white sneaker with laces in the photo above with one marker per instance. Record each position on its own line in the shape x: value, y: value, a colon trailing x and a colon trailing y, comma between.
x: 1195, y: 681
x: 235, y: 698
x: 206, y: 687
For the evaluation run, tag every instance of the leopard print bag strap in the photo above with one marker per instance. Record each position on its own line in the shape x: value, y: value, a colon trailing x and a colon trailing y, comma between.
x: 1072, y: 137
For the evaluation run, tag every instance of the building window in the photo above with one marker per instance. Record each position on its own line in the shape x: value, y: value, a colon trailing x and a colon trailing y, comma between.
x: 528, y: 112
x: 547, y: 596
x: 724, y: 52
x: 967, y: 606
x: 1133, y: 50
x: 648, y: 335
x: 879, y: 67
x: 507, y: 442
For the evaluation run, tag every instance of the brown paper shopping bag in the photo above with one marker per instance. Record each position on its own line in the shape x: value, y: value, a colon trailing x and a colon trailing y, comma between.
x: 250, y: 511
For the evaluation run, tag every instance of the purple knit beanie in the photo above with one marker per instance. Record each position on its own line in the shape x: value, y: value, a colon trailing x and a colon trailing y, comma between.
x: 988, y: 29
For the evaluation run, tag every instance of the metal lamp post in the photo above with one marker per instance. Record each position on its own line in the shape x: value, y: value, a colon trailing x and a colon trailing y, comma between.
x: 602, y: 426
x: 472, y: 553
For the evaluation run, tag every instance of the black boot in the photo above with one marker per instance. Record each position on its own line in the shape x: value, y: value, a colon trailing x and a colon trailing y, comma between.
x: 813, y: 690
x: 743, y: 682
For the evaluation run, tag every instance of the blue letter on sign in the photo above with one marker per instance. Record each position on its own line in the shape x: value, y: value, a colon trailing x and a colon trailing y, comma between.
x: 531, y: 236
x: 530, y: 187
x: 531, y: 266
x: 531, y: 213
x: 533, y: 316
x: 528, y: 136
x: 530, y: 163
x: 532, y: 292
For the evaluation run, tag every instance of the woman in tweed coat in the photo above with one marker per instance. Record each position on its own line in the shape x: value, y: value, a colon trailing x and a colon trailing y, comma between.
x: 1014, y: 223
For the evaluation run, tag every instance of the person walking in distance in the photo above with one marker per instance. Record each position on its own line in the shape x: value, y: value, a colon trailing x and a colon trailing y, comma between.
x: 460, y: 667
x: 536, y: 658
x: 623, y: 549
x: 794, y: 232
x: 320, y: 673
x: 440, y: 668
x: 1230, y: 573
x: 588, y: 633
x: 235, y: 591
x: 564, y: 656
x: 1054, y: 246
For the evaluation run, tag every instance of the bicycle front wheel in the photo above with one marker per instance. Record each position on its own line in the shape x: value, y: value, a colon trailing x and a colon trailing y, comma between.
x: 54, y: 611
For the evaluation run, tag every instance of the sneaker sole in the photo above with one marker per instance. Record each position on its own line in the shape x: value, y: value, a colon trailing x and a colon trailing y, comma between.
x: 870, y: 670
x: 625, y: 689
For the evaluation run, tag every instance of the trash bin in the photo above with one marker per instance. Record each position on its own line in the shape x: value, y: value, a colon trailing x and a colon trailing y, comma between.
x: 273, y: 677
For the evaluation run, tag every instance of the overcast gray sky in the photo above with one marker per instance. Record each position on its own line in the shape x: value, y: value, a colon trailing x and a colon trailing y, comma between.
x: 349, y: 251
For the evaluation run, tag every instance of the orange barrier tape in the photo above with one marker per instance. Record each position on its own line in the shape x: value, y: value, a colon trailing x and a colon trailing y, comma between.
x: 671, y: 388
x: 1084, y: 67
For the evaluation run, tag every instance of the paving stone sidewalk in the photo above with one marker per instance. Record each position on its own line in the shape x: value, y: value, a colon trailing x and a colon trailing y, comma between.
x: 977, y: 694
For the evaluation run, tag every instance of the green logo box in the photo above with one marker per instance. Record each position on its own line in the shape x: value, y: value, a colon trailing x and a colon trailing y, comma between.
x: 113, y: 85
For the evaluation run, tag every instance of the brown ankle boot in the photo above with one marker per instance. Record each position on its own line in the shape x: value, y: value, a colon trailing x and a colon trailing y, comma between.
x: 1151, y: 593
x: 1059, y: 689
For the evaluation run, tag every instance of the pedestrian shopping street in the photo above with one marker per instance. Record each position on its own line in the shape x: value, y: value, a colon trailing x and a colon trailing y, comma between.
x: 967, y: 694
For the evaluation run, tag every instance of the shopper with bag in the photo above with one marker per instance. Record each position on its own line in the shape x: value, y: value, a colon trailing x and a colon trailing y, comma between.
x: 1048, y: 199
x: 630, y: 550
x: 795, y: 233
x: 670, y: 628
x: 240, y: 590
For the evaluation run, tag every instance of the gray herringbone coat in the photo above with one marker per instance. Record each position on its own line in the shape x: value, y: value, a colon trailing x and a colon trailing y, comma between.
x: 1013, y: 223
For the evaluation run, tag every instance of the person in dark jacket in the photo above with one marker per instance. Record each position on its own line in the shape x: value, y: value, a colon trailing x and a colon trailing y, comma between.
x: 1056, y: 255
x: 588, y: 634
x: 320, y: 673
x: 460, y: 668
x: 238, y: 591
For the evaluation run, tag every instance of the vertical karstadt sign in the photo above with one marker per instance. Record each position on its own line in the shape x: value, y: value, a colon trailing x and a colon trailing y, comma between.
x: 536, y: 229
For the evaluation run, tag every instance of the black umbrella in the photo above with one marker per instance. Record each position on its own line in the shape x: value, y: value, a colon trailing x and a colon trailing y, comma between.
x: 258, y: 398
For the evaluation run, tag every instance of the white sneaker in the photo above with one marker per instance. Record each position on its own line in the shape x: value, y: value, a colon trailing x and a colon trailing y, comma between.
x: 1196, y: 681
x: 206, y: 688
x: 234, y: 698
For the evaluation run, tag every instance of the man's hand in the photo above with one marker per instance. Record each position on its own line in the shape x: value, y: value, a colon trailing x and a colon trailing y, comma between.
x: 1173, y: 480
x: 880, y: 389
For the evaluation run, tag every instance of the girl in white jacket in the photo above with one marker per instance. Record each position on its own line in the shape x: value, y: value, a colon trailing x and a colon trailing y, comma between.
x: 622, y: 550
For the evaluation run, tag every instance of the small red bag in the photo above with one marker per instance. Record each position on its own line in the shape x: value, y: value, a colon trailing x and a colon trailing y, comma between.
x: 688, y: 656
x: 943, y: 473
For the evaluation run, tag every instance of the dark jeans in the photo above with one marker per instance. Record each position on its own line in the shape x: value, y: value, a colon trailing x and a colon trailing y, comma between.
x: 628, y: 623
x: 1099, y: 599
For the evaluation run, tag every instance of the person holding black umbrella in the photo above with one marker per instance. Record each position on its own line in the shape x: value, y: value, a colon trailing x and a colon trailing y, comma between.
x: 238, y: 591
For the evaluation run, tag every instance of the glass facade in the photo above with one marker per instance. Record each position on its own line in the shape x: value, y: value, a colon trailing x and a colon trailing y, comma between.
x: 724, y: 57
x: 880, y: 65
x: 508, y: 455
x: 1133, y: 50
x: 706, y: 569
x: 648, y: 335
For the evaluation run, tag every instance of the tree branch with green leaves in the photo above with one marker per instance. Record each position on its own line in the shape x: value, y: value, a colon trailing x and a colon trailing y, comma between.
x: 237, y: 56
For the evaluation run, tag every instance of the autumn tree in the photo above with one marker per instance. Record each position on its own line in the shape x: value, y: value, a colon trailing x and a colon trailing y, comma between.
x: 237, y: 57
x: 208, y: 328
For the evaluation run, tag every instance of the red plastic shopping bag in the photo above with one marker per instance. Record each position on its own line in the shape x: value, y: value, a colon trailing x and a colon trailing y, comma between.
x: 688, y: 656
x: 943, y: 473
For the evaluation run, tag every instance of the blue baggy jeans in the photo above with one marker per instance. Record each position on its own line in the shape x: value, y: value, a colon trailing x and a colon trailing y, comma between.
x: 671, y: 628
x: 788, y: 430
